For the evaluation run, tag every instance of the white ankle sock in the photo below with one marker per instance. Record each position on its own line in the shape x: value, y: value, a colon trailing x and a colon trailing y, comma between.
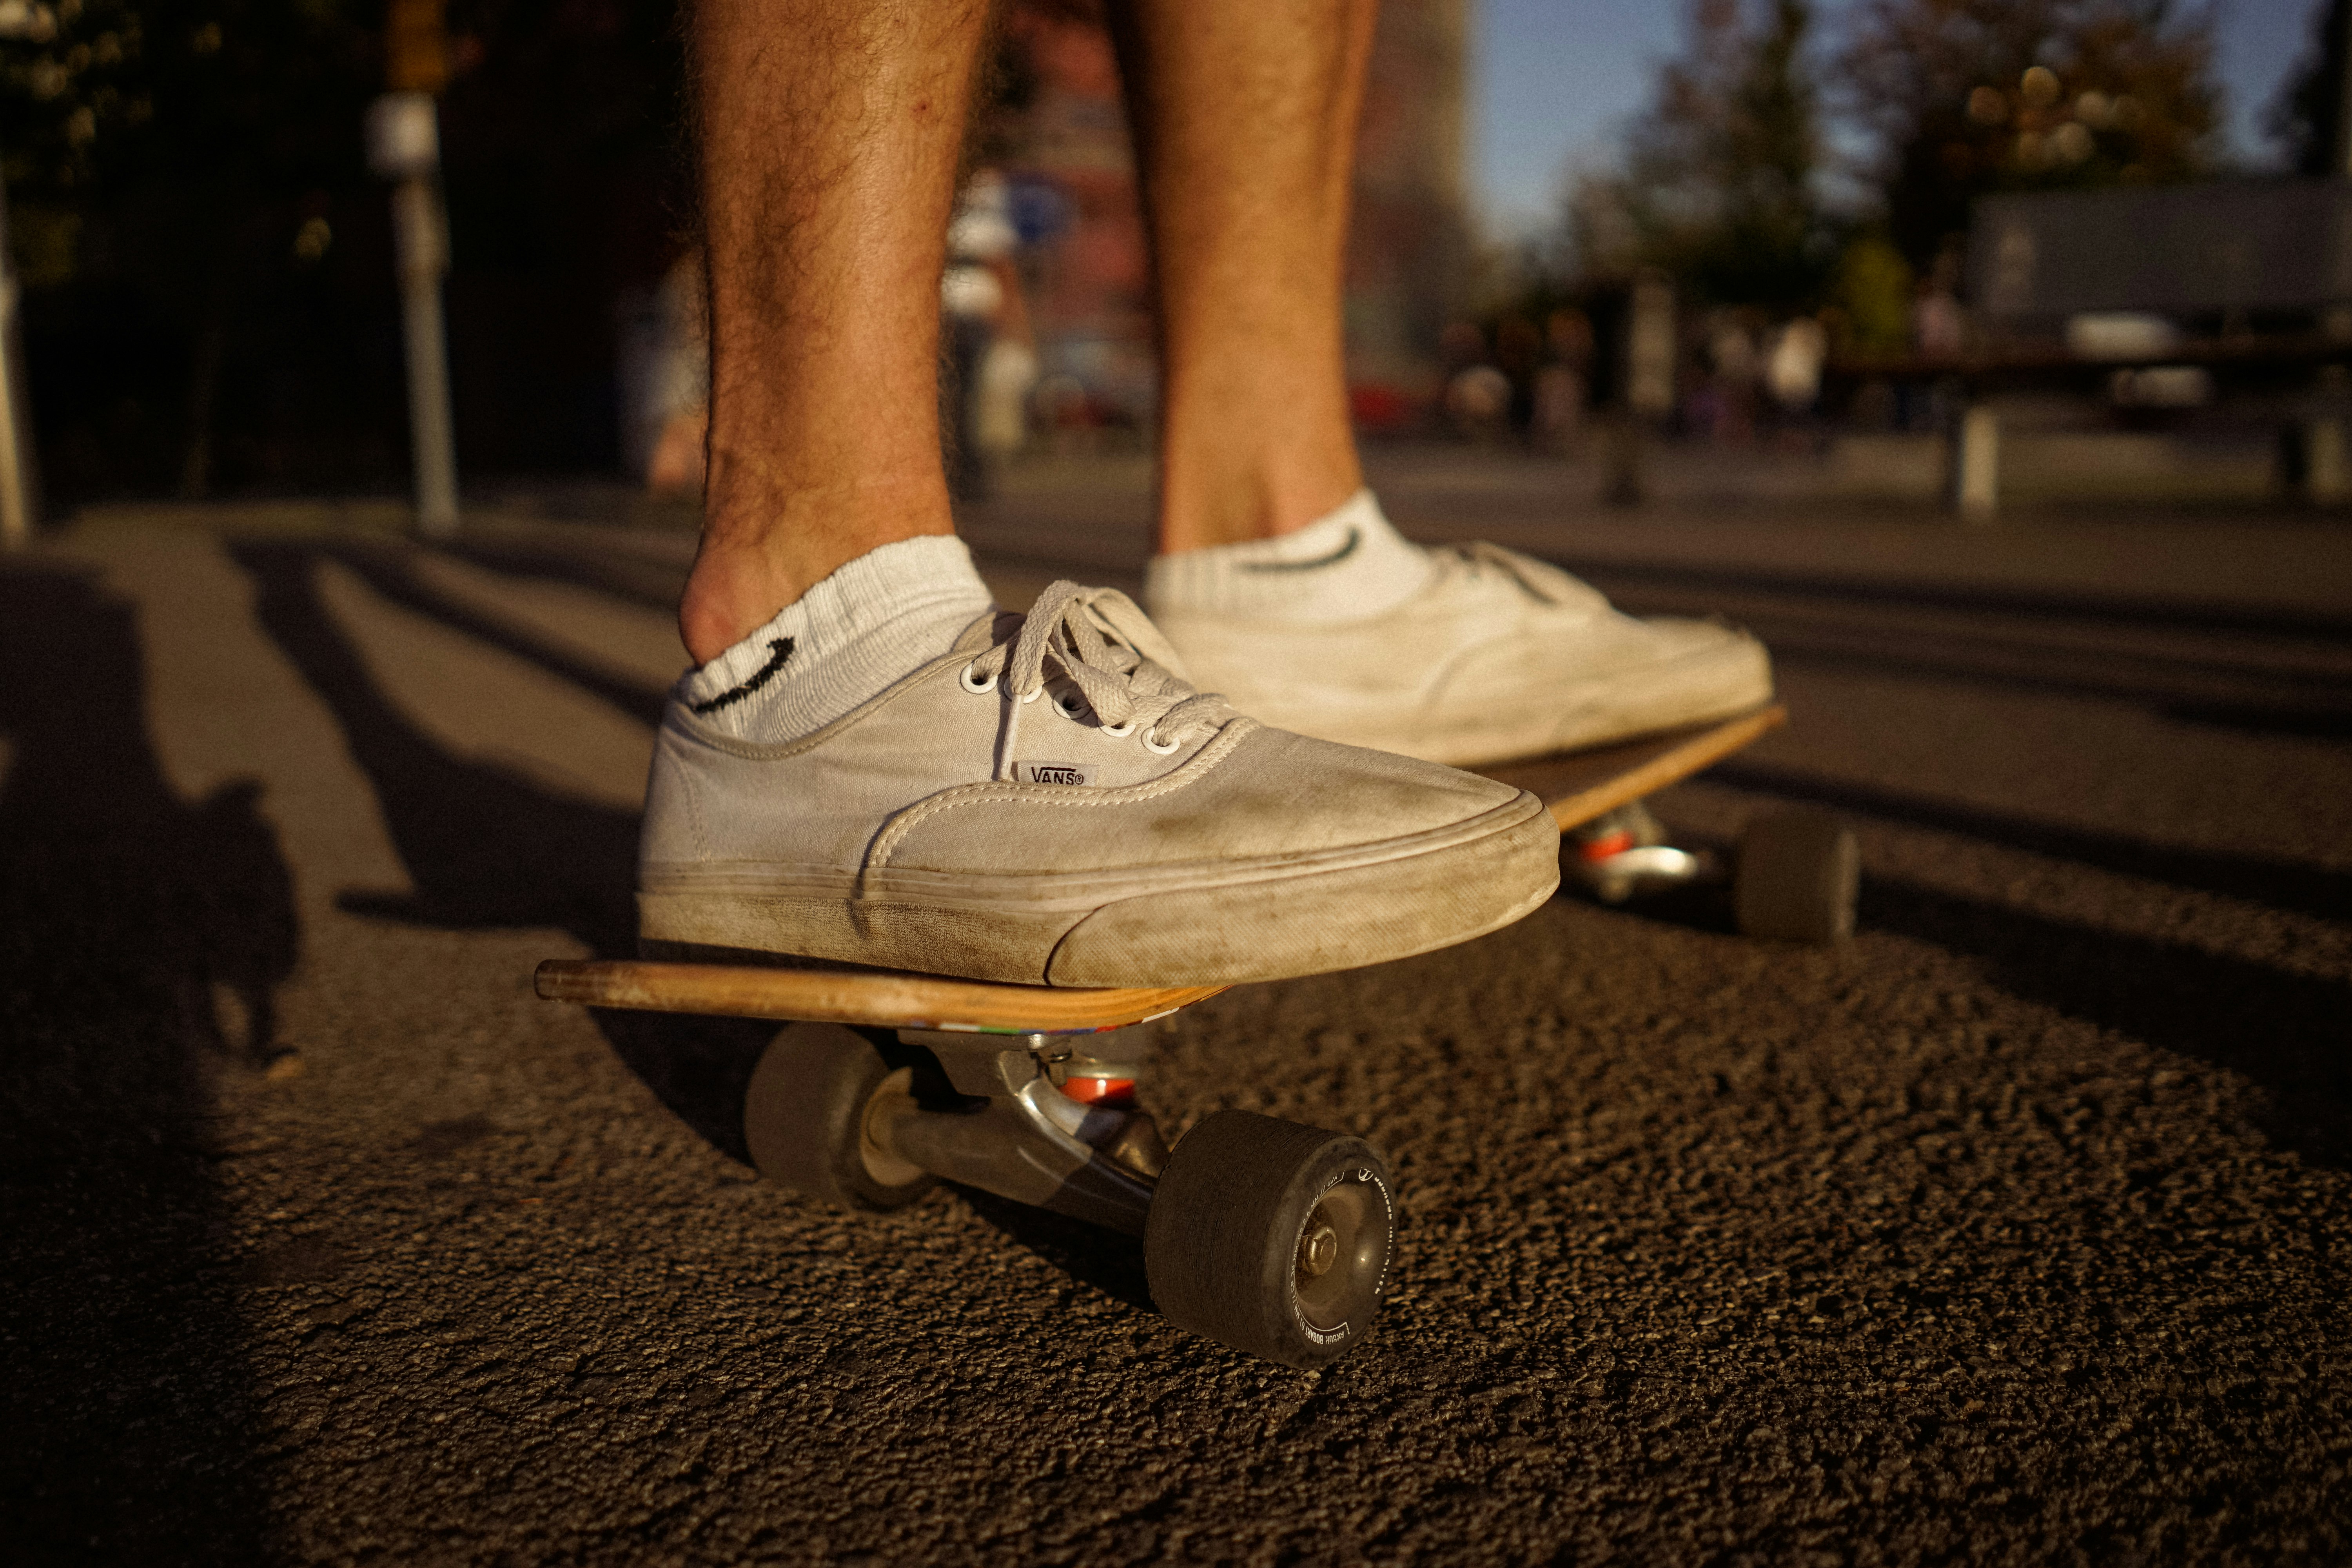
x: 1348, y: 566
x: 873, y: 621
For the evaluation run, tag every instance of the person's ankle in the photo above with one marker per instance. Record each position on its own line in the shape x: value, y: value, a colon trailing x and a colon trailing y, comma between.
x: 770, y: 534
x: 1216, y: 490
x: 729, y: 594
x: 1349, y: 564
x: 851, y: 634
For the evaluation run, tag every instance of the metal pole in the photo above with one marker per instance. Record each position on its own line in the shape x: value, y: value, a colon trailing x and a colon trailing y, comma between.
x: 20, y: 486
x: 19, y: 480
x: 1976, y: 464
x: 417, y: 225
x: 405, y: 146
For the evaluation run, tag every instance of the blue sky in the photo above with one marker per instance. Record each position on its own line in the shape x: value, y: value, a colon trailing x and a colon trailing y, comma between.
x: 1550, y: 80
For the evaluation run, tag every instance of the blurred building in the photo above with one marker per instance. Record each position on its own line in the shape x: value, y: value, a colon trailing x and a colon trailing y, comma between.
x: 2229, y: 256
x: 1409, y: 252
x: 1065, y: 146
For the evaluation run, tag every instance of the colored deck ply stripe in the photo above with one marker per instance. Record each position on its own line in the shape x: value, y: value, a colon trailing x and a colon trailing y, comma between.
x: 1581, y: 786
x: 855, y: 996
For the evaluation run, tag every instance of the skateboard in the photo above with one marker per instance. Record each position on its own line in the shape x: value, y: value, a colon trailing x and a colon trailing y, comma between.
x: 1267, y: 1235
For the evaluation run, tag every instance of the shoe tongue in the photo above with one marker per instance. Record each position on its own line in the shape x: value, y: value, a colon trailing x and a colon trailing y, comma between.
x: 1543, y: 579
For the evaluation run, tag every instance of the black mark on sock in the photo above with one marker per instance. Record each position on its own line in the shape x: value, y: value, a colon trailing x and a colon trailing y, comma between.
x: 778, y: 651
x: 1355, y: 537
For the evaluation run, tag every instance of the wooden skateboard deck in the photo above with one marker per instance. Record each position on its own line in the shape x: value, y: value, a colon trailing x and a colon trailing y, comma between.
x: 1577, y: 785
x: 878, y: 998
x: 1581, y: 786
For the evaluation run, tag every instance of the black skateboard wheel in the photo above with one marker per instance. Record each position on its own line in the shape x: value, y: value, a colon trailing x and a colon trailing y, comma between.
x: 810, y: 1117
x: 1272, y: 1237
x: 1798, y: 876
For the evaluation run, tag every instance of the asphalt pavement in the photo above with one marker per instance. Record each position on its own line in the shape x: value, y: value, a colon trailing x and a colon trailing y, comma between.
x: 2010, y: 1231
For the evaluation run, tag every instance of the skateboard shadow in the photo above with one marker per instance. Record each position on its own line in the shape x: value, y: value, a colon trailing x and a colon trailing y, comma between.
x: 142, y: 939
x: 1109, y: 1263
x: 2286, y: 1032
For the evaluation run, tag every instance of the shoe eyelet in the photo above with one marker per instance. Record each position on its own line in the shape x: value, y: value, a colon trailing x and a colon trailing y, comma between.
x: 1156, y: 746
x: 977, y: 687
x: 1033, y: 695
x: 1119, y: 732
x: 1069, y: 707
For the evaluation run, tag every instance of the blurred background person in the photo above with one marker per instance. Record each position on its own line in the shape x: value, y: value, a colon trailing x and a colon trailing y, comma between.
x: 1792, y: 371
x: 989, y: 358
x: 1563, y: 381
x: 673, y: 388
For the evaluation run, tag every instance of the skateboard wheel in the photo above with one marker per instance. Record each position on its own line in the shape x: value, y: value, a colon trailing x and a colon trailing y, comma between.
x: 810, y: 1114
x: 1798, y: 876
x: 1271, y: 1236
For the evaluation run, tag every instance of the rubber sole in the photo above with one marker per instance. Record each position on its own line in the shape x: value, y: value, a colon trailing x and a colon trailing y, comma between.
x: 1264, y: 927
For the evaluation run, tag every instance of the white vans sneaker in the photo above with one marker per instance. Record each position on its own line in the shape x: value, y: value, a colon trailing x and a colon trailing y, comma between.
x: 1466, y: 655
x: 1048, y: 801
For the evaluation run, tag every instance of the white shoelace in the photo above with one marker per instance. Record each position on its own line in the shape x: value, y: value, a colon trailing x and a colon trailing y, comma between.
x: 1107, y: 647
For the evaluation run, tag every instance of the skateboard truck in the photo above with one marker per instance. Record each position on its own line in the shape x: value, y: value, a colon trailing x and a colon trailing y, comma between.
x: 1023, y: 1138
x: 1270, y: 1236
x: 1795, y: 876
x: 1623, y: 852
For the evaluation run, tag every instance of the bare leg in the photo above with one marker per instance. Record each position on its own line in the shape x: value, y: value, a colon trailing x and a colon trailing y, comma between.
x: 830, y: 130
x: 1245, y: 123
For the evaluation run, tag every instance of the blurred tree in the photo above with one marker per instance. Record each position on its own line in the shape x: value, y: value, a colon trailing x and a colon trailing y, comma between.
x: 163, y: 158
x: 208, y: 261
x: 1719, y: 188
x: 2308, y: 115
x: 1872, y: 292
x: 564, y: 161
x: 1966, y: 97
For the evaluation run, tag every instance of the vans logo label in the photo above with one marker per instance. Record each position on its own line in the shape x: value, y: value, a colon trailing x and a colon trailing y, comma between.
x: 1054, y: 773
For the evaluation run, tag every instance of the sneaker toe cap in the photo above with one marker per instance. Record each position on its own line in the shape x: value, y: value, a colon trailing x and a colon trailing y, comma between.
x: 1286, y: 793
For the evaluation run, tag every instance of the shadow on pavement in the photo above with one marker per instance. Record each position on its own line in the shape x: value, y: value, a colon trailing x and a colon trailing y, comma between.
x: 484, y: 847
x: 391, y: 573
x: 1112, y: 1264
x: 2287, y: 885
x: 142, y: 942
x: 2120, y: 610
x: 2255, y: 693
x: 488, y: 848
x: 2287, y: 1032
x: 2325, y: 716
x: 648, y: 585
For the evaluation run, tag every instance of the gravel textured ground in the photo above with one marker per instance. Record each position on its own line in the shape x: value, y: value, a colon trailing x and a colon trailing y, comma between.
x: 2012, y: 1231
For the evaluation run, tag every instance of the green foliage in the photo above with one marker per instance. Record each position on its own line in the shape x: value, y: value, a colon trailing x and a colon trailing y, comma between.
x: 207, y: 260
x: 2309, y: 114
x: 133, y: 103
x: 1872, y: 292
x: 1719, y: 191
x: 167, y: 162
